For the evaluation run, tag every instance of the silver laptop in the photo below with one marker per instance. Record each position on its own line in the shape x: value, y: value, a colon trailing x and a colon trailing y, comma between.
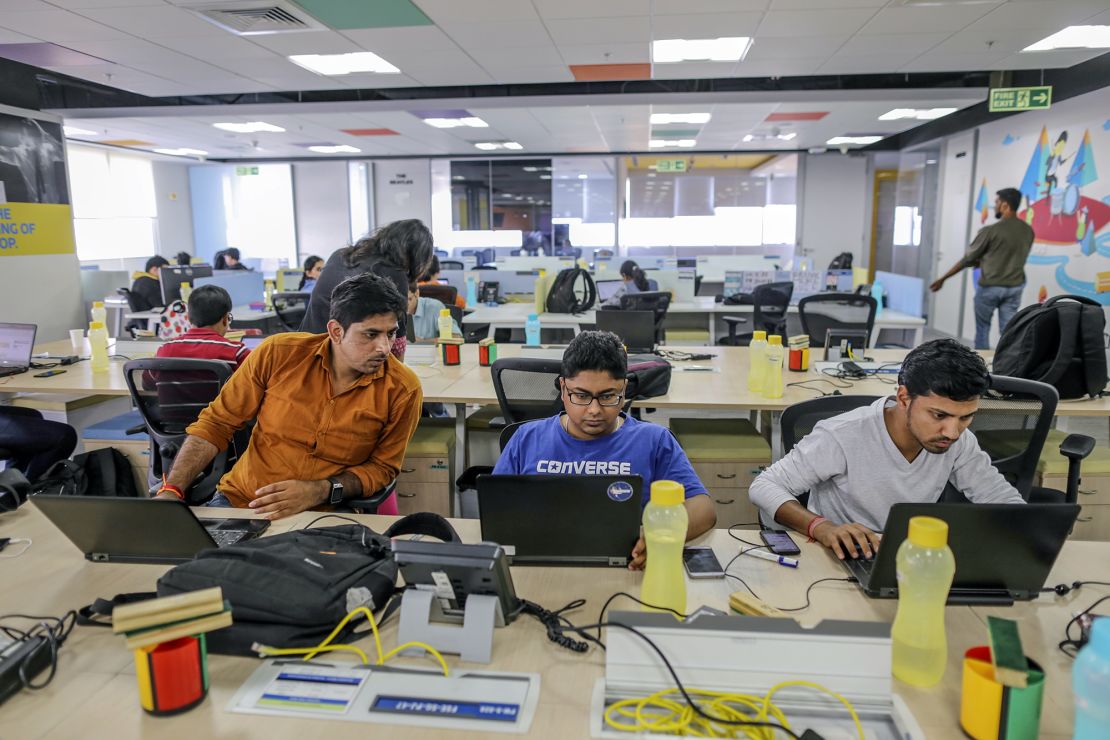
x: 17, y: 341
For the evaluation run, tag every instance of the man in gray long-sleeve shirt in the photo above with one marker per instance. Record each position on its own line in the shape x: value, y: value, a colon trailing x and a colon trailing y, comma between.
x: 900, y: 449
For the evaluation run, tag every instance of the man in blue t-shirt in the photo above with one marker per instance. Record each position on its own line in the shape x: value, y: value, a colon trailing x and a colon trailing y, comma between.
x: 593, y: 437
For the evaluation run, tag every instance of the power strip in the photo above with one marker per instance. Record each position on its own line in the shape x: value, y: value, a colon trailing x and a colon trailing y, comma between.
x: 32, y: 654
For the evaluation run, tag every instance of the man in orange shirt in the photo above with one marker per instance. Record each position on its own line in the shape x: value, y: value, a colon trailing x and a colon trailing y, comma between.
x: 335, y: 412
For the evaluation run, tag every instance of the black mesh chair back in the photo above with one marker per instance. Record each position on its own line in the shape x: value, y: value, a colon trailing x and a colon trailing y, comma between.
x: 824, y: 311
x: 290, y: 308
x: 770, y: 304
x: 526, y: 387
x: 655, y: 301
x: 170, y: 393
x: 1012, y: 424
x: 451, y: 265
x: 445, y: 294
x: 132, y: 301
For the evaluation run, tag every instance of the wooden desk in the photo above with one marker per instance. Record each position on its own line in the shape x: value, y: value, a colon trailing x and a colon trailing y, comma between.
x: 94, y: 692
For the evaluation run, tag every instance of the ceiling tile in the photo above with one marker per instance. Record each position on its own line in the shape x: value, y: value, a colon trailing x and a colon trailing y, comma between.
x: 705, y: 25
x: 57, y: 25
x: 681, y: 7
x: 780, y: 23
x: 597, y: 72
x: 78, y: 4
x: 1049, y: 59
x: 45, y: 54
x: 864, y: 63
x: 509, y: 34
x: 895, y: 43
x: 591, y: 8
x: 11, y: 37
x: 926, y: 19
x: 539, y: 55
x: 342, y: 14
x: 149, y: 23
x: 792, y: 67
x: 1048, y: 16
x: 307, y: 42
x: 216, y: 47
x: 793, y: 48
x: 442, y: 11
x: 827, y: 4
x: 693, y: 70
x: 515, y: 74
x: 470, y: 74
x: 607, y: 54
x: 941, y: 61
x: 599, y: 31
x: 384, y: 40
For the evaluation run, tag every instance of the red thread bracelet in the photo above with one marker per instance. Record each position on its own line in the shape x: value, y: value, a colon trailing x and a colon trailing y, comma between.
x: 813, y: 525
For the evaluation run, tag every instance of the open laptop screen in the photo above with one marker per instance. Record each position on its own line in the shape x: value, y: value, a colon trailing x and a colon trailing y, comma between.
x: 606, y: 289
x: 16, y: 344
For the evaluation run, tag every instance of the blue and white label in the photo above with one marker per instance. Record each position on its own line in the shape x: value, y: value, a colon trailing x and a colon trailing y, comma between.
x: 460, y: 709
x: 620, y: 490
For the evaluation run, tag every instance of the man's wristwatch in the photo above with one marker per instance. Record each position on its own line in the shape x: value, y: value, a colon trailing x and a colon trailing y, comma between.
x: 335, y: 493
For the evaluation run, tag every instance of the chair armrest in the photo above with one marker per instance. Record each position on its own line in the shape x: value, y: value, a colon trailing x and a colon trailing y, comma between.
x: 1077, y: 446
x: 369, y: 504
x: 137, y: 429
x: 735, y: 319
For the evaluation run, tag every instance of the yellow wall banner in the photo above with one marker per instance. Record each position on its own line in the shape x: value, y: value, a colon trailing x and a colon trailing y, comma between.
x: 36, y: 228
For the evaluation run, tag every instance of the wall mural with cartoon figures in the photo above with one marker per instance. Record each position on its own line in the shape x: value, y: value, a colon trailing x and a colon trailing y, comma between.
x: 1052, y: 157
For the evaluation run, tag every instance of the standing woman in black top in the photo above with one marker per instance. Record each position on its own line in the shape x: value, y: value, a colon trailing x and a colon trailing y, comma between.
x: 400, y: 251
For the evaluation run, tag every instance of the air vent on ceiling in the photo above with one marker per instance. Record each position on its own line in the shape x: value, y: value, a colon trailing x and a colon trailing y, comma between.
x: 256, y: 18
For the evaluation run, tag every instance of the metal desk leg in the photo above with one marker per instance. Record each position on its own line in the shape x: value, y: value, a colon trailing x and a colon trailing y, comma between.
x: 461, y: 454
x: 776, y: 436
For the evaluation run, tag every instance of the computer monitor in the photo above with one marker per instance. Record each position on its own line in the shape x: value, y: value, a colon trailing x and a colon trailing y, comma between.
x: 171, y: 279
x: 636, y: 329
x: 244, y: 286
x: 289, y: 279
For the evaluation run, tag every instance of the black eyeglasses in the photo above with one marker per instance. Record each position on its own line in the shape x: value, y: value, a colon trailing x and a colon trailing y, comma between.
x: 581, y: 398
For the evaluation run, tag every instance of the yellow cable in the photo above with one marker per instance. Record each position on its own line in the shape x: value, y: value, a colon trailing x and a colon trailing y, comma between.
x: 267, y: 651
x: 434, y: 653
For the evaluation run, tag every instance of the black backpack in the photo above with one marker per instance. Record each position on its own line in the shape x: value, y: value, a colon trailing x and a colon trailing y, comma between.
x: 1059, y: 342
x: 103, y: 472
x: 563, y: 296
x: 842, y: 261
x: 649, y: 376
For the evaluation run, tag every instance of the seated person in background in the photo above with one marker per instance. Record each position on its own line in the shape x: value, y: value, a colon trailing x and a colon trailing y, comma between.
x: 210, y: 315
x: 147, y: 286
x: 313, y: 266
x: 425, y: 316
x: 900, y: 449
x: 33, y: 443
x: 592, y: 430
x: 635, y: 281
x: 183, y: 259
x: 432, y: 278
x: 335, y: 412
x: 229, y: 260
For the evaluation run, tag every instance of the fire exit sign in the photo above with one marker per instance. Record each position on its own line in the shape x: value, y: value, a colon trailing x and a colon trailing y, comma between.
x: 1005, y: 99
x: 670, y: 165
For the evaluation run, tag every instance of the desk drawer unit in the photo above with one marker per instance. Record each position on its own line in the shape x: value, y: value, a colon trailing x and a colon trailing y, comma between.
x: 726, y: 454
x: 427, y: 479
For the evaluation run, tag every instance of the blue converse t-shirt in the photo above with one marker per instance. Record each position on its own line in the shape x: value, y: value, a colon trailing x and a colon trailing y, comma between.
x: 637, y: 448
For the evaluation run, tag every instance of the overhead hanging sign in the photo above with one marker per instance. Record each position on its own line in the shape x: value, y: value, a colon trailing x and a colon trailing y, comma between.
x: 1006, y: 99
x: 670, y: 165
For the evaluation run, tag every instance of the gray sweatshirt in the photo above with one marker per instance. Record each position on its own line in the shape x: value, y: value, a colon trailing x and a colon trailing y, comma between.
x: 854, y: 472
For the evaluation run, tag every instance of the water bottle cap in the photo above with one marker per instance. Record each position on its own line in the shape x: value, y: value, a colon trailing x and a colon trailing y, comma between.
x: 96, y: 324
x: 667, y: 493
x: 533, y: 316
x: 775, y: 339
x: 98, y: 304
x: 444, y: 312
x: 758, y: 335
x: 928, y: 531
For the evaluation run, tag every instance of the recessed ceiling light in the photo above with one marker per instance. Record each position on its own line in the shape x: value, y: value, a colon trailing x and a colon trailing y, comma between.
x: 512, y: 145
x: 182, y: 152
x: 334, y: 149
x: 681, y: 143
x: 488, y: 146
x: 470, y: 121
x: 332, y: 65
x: 545, y: 177
x: 920, y: 114
x: 748, y: 137
x: 730, y: 49
x: 786, y: 137
x: 583, y: 176
x: 861, y: 140
x: 1074, y: 37
x: 530, y: 169
x: 74, y: 131
x: 254, y: 127
x: 662, y: 118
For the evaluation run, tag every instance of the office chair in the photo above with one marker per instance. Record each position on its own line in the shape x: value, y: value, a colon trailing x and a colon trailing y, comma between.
x: 133, y: 306
x: 290, y: 308
x: 441, y: 253
x: 655, y: 301
x: 445, y: 294
x: 507, y: 434
x: 170, y: 393
x: 526, y: 387
x: 770, y: 303
x: 821, y: 312
x: 1012, y: 424
x: 451, y: 265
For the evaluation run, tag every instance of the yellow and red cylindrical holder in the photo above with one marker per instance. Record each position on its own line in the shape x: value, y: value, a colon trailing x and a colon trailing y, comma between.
x: 450, y: 351
x: 487, y: 352
x: 173, y: 676
x: 798, y: 359
x: 989, y: 710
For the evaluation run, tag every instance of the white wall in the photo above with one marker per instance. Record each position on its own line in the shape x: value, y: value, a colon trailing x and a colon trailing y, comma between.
x: 834, y: 201
x: 402, y: 189
x: 175, y: 211
x: 321, y: 203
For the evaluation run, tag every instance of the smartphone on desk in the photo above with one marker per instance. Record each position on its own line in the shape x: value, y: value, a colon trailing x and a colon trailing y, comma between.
x: 779, y: 542
x: 701, y: 562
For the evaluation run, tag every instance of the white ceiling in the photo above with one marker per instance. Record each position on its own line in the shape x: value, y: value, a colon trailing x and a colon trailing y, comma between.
x: 157, y: 47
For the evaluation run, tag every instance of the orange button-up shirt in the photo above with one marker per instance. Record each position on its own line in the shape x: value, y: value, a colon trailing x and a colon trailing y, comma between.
x: 306, y: 431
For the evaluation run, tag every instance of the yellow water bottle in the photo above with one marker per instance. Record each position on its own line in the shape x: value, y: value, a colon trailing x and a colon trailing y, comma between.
x: 925, y: 567
x: 665, y: 524
x: 99, y: 313
x: 445, y: 324
x: 772, y: 378
x: 540, y: 291
x: 98, y: 341
x: 757, y: 361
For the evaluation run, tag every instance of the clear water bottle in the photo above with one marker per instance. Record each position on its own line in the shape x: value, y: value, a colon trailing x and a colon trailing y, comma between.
x: 924, y: 566
x: 772, y: 378
x: 1090, y: 680
x: 757, y: 361
x: 665, y: 524
x: 98, y: 341
x: 532, y: 330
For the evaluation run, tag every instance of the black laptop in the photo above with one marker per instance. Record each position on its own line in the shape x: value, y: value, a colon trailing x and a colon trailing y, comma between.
x: 1003, y: 551
x: 635, y: 328
x: 138, y: 530
x: 17, y: 341
x: 562, y: 519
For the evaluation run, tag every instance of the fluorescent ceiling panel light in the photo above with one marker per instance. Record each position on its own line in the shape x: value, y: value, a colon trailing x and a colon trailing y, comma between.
x: 334, y: 149
x: 662, y: 118
x: 470, y: 121
x: 861, y: 140
x: 583, y: 176
x: 681, y: 143
x: 513, y: 145
x: 254, y: 127
x: 1074, y: 37
x: 787, y: 137
x: 74, y: 131
x: 487, y: 146
x: 182, y: 152
x: 730, y: 49
x: 748, y: 137
x: 920, y: 114
x: 332, y: 65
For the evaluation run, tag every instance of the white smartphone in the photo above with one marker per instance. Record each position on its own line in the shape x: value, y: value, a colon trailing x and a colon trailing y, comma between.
x: 701, y: 562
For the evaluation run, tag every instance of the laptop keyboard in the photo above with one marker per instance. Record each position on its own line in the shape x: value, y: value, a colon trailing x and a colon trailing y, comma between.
x: 225, y: 537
